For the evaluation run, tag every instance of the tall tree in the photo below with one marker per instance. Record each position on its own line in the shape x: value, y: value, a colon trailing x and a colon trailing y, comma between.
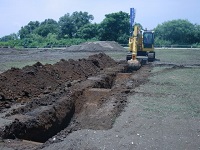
x: 197, y: 33
x: 67, y: 28
x: 70, y: 24
x: 28, y: 29
x: 46, y: 27
x: 88, y: 31
x: 10, y: 37
x: 81, y: 18
x: 115, y: 27
x: 176, y: 31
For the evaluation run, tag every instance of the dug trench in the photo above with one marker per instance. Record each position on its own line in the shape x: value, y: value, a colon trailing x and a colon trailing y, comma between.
x: 45, y: 103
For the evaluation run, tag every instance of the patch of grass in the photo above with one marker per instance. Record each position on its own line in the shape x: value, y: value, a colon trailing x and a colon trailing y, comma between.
x: 174, y: 93
x: 182, y: 56
x: 117, y: 55
x: 19, y: 61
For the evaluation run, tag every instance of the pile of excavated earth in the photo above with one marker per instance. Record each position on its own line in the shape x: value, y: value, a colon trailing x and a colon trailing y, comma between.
x: 97, y: 46
x: 45, y: 103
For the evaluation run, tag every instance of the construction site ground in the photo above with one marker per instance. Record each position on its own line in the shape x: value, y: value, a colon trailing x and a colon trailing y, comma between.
x: 90, y: 100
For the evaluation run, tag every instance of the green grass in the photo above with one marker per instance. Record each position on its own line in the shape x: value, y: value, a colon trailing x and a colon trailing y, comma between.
x: 49, y: 57
x: 175, y: 92
x: 182, y: 56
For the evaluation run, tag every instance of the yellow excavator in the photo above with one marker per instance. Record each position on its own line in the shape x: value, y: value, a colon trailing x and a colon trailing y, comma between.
x: 141, y: 45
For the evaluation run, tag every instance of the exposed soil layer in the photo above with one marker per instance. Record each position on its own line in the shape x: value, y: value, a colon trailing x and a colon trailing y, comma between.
x: 46, y: 102
x: 44, y: 84
x: 19, y: 84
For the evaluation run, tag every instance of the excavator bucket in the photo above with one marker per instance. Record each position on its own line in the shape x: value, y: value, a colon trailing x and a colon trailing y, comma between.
x: 133, y: 64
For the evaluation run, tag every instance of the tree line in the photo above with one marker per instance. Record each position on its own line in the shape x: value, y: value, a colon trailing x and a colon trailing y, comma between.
x: 70, y: 29
x: 177, y: 32
x: 77, y: 27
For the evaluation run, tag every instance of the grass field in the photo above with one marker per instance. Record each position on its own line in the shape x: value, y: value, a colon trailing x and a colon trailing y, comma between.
x: 171, y: 92
x: 180, y: 56
x: 175, y: 89
x: 20, y: 59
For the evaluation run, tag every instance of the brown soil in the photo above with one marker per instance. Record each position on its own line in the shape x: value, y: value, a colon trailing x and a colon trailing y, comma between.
x: 47, y: 102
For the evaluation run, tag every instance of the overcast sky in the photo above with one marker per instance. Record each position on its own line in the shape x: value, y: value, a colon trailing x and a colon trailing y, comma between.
x: 17, y: 13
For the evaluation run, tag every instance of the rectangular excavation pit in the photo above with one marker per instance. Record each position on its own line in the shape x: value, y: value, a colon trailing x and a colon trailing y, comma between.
x: 90, y: 113
x: 47, y: 121
x: 41, y: 125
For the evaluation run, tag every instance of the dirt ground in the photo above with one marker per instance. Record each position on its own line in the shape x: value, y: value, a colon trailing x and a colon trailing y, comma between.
x: 41, y: 101
x: 97, y: 103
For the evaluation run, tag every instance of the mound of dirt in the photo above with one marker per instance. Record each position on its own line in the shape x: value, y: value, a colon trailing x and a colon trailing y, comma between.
x: 49, y: 96
x: 98, y: 46
x: 32, y: 81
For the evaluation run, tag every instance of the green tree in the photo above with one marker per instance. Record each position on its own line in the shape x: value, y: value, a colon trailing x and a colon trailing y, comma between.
x: 10, y: 37
x: 81, y: 18
x: 88, y: 31
x: 33, y: 40
x: 70, y: 24
x: 28, y: 29
x: 197, y: 33
x: 115, y: 27
x: 51, y: 39
x: 67, y: 28
x: 176, y: 31
x: 46, y: 27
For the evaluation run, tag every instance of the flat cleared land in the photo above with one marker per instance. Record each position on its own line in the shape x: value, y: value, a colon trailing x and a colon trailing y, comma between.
x: 156, y: 107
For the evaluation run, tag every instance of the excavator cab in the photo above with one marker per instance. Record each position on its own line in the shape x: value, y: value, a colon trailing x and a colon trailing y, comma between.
x: 148, y: 40
x: 148, y: 45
